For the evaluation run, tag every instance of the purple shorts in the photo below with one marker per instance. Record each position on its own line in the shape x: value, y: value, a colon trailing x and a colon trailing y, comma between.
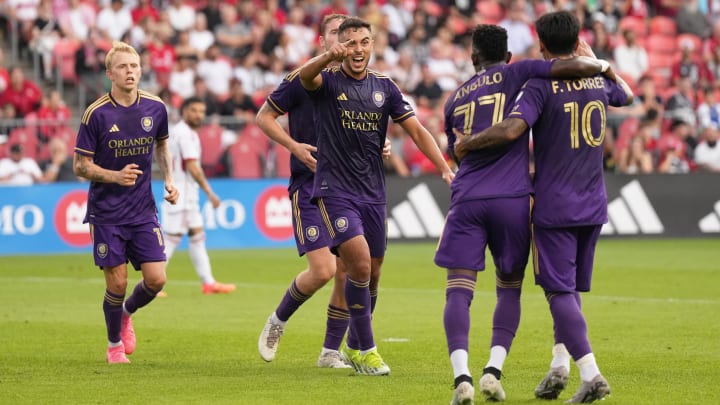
x: 117, y: 244
x: 310, y: 231
x: 346, y: 219
x: 563, y: 257
x: 503, y: 224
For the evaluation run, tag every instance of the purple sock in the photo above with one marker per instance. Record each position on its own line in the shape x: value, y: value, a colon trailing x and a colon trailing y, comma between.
x: 506, y: 317
x: 352, y: 337
x: 373, y: 300
x: 291, y: 301
x: 112, y: 307
x: 357, y: 295
x: 337, y: 323
x: 141, y: 296
x: 459, y: 294
x: 570, y: 326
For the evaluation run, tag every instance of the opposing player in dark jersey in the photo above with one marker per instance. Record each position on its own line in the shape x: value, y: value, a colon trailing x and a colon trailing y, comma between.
x: 352, y: 108
x: 119, y: 133
x: 568, y: 119
x: 311, y: 236
x: 490, y: 203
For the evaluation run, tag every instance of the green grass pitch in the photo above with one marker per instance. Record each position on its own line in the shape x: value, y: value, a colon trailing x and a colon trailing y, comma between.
x: 653, y: 315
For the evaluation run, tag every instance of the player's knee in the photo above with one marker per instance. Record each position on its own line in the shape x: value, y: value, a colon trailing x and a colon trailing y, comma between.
x: 324, y: 272
x: 156, y: 283
x: 118, y: 287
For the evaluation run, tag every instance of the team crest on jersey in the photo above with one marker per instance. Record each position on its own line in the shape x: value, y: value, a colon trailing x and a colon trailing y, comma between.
x: 378, y: 98
x: 102, y: 250
x: 341, y: 224
x: 146, y: 123
x: 312, y: 233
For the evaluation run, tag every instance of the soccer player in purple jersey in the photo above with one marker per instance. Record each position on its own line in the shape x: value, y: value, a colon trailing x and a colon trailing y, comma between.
x: 119, y: 133
x: 352, y: 108
x: 568, y: 119
x: 490, y: 203
x: 311, y: 237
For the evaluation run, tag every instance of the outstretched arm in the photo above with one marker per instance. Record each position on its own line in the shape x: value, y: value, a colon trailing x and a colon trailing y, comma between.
x: 580, y: 66
x: 503, y: 133
x: 427, y: 145
x: 310, y: 72
x: 266, y: 119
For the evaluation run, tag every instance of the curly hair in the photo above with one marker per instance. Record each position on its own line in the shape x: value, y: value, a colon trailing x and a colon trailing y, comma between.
x: 489, y: 42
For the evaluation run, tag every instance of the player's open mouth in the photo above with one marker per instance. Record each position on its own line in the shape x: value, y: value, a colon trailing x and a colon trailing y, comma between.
x: 358, y: 61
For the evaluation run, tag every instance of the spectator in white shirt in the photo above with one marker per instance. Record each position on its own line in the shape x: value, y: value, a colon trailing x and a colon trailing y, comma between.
x: 216, y: 70
x: 182, y: 16
x: 18, y: 170
x: 707, y: 153
x: 630, y: 58
x: 114, y: 21
x: 709, y: 111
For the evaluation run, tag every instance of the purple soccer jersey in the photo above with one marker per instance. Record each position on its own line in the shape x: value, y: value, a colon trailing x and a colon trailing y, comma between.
x: 291, y: 98
x: 352, y: 117
x: 477, y: 104
x: 115, y: 136
x: 568, y: 118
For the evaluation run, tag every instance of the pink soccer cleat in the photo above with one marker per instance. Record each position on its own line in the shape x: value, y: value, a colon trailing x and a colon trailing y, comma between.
x: 127, y: 335
x: 116, y: 355
x: 218, y: 288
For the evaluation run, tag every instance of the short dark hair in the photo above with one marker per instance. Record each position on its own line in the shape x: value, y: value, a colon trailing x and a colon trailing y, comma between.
x: 328, y: 19
x: 558, y: 32
x: 354, y: 23
x: 190, y: 100
x: 16, y: 148
x: 489, y: 42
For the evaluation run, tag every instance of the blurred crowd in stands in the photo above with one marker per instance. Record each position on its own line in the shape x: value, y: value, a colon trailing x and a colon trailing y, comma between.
x: 232, y: 53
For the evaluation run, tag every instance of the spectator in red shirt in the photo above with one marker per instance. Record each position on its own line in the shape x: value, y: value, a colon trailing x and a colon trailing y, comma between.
x: 162, y: 55
x: 54, y: 114
x: 22, y: 93
x: 144, y: 9
x: 688, y: 66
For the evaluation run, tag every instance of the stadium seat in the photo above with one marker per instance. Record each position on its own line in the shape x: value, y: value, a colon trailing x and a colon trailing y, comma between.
x: 27, y: 137
x: 282, y: 161
x: 255, y: 136
x: 626, y: 131
x: 635, y: 24
x: 661, y: 44
x: 212, y: 148
x: 660, y: 25
x: 244, y: 161
x: 64, y: 57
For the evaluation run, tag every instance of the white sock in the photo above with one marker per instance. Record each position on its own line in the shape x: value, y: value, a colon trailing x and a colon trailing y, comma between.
x: 114, y: 344
x: 274, y: 319
x: 498, y: 354
x: 588, y: 367
x: 561, y: 357
x: 171, y: 243
x: 459, y: 361
x: 125, y: 311
x: 326, y: 350
x: 200, y: 259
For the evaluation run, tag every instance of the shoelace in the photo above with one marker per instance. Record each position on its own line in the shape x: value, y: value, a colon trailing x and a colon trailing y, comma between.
x: 274, y: 335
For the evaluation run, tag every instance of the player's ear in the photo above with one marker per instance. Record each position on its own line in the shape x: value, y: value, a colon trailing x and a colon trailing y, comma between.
x: 508, y: 56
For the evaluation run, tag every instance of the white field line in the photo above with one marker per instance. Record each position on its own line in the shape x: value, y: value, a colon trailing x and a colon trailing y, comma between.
x: 590, y: 297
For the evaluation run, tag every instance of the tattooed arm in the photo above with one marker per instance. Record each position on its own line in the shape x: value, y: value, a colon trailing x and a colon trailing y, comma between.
x: 83, y: 166
x: 163, y: 159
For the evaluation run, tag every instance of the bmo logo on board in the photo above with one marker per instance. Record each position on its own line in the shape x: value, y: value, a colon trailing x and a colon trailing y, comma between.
x: 273, y: 213
x: 69, y: 214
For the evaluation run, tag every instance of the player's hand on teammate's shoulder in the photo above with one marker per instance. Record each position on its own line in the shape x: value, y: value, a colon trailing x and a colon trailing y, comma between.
x: 128, y: 175
x: 172, y: 193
